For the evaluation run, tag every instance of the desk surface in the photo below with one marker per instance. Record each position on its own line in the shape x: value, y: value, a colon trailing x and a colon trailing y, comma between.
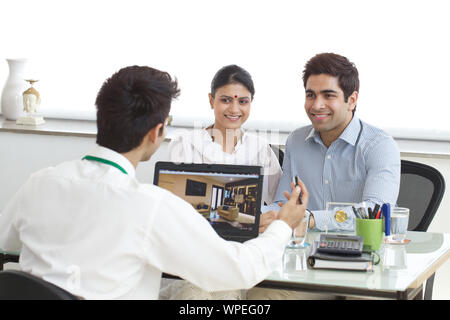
x: 424, y: 254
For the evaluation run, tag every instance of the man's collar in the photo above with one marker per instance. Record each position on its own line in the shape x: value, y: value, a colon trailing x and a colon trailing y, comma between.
x: 111, y: 155
x: 350, y: 134
x: 313, y: 134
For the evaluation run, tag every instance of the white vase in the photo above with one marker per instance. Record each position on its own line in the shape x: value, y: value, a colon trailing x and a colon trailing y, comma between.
x: 12, y: 100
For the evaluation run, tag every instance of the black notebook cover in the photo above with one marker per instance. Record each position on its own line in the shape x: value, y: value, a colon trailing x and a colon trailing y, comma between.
x: 321, y: 260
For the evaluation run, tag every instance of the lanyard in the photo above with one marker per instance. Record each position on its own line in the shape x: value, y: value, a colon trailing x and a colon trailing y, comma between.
x: 105, y: 162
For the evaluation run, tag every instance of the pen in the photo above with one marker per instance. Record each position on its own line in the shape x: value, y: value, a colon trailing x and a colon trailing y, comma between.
x: 378, y: 216
x: 300, y: 195
x: 386, y: 210
x: 356, y: 213
x: 362, y: 213
x: 375, y: 211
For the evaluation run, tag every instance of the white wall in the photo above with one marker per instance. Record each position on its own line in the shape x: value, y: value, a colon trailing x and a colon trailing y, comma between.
x: 399, y: 48
x: 23, y: 154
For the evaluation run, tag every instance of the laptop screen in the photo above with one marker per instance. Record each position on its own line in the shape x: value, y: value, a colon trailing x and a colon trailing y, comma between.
x: 228, y: 196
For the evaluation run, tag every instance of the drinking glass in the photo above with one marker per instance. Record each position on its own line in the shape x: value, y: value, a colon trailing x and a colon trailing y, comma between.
x: 295, y: 260
x: 298, y: 238
x: 394, y: 257
x: 399, y: 223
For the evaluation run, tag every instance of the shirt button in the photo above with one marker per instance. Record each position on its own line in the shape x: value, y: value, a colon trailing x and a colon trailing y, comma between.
x: 326, y: 181
x: 329, y: 157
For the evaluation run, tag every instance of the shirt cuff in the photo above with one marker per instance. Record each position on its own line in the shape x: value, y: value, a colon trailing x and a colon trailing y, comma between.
x: 274, y: 206
x: 280, y: 228
x: 324, y: 221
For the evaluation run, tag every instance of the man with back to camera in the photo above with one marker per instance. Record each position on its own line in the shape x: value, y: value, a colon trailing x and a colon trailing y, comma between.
x: 90, y: 227
x: 339, y: 157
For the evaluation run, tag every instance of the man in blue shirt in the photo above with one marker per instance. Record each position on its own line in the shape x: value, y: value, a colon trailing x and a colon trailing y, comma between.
x: 339, y: 157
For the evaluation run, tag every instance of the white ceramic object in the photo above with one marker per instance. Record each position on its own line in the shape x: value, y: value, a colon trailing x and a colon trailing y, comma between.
x: 31, y: 102
x: 31, y: 120
x: 12, y: 99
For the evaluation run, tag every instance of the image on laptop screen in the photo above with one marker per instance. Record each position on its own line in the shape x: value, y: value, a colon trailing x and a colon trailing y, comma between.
x: 228, y: 196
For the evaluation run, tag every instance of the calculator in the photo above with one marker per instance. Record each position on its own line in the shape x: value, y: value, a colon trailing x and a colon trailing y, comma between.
x: 340, y: 244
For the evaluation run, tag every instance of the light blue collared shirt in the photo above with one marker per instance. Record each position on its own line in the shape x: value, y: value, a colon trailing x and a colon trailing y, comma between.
x: 362, y: 165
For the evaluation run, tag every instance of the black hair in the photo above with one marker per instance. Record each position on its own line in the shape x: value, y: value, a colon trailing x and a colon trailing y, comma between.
x: 232, y: 74
x: 130, y: 103
x: 336, y: 66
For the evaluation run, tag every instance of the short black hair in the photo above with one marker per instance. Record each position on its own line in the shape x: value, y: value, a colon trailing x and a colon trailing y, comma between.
x: 232, y: 74
x: 130, y: 103
x: 336, y: 66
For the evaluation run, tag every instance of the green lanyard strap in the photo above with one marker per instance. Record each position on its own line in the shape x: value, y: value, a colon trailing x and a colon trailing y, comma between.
x: 105, y: 162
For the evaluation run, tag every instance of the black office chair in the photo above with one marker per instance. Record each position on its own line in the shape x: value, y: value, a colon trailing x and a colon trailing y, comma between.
x: 279, y: 153
x: 19, y: 285
x: 421, y: 190
x: 8, y: 257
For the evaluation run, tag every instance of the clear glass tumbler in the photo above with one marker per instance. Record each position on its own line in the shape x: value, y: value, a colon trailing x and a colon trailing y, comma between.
x: 298, y: 238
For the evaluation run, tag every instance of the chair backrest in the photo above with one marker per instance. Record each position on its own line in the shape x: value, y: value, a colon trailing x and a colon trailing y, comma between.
x: 421, y: 190
x: 19, y: 285
x: 279, y: 153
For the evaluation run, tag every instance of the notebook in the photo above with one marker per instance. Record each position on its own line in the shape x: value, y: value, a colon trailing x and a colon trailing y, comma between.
x: 227, y: 196
x: 320, y: 260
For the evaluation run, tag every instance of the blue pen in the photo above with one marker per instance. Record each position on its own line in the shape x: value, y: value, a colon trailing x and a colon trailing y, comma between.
x: 386, y: 210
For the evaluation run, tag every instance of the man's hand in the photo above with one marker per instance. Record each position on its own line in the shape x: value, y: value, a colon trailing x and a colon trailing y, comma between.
x: 292, y: 212
x: 312, y: 221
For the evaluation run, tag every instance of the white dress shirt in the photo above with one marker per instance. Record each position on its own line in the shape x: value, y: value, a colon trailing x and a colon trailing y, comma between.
x: 197, y: 146
x: 100, y: 234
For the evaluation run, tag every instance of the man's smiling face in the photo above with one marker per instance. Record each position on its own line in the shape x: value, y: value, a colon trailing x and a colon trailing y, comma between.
x: 326, y: 107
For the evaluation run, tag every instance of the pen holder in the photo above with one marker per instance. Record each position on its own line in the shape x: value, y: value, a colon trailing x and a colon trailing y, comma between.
x: 371, y: 230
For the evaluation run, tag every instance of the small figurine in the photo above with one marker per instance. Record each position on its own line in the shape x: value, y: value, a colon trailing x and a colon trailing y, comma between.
x: 31, y: 98
x: 31, y: 102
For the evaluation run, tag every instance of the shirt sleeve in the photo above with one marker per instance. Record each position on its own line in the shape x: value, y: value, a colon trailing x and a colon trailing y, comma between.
x: 9, y: 235
x: 273, y: 174
x: 176, y: 150
x: 383, y: 173
x: 183, y: 243
x: 326, y: 221
x: 285, y: 181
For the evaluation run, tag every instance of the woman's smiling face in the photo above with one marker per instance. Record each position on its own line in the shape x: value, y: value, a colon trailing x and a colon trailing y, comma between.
x: 231, y: 105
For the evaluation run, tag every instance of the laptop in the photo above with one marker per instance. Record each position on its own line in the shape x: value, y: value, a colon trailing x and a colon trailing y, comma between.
x: 227, y: 196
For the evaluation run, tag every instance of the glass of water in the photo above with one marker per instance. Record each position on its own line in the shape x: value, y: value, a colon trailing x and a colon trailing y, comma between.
x: 394, y: 257
x: 298, y: 238
x: 295, y: 260
x: 399, y: 223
